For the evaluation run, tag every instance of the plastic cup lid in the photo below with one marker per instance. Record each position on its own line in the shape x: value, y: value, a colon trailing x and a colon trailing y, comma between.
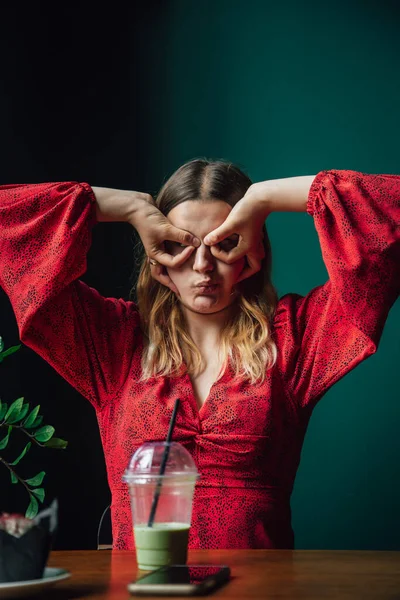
x: 146, y: 463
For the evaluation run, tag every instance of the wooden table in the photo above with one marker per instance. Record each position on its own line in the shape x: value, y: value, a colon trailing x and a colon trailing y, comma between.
x: 264, y: 574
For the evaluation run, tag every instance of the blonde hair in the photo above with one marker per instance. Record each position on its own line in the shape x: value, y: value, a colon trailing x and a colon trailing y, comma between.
x: 246, y: 339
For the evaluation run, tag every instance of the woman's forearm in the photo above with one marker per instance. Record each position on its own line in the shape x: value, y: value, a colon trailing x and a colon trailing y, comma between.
x: 288, y: 194
x: 118, y: 205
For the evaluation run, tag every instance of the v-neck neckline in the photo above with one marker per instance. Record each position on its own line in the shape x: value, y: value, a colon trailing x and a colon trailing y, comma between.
x: 200, y: 410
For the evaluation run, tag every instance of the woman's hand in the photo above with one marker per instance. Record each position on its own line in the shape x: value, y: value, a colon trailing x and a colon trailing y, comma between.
x: 154, y: 230
x: 244, y: 225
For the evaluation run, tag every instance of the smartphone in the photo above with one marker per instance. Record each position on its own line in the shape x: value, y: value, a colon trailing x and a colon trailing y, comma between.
x: 181, y: 580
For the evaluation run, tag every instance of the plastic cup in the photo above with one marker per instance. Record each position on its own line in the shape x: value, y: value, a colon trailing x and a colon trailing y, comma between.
x: 165, y: 541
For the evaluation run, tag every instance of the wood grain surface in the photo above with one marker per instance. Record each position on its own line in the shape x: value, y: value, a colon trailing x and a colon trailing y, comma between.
x: 256, y: 574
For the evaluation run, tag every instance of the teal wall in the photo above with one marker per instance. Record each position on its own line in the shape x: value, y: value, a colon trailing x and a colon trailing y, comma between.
x: 290, y: 89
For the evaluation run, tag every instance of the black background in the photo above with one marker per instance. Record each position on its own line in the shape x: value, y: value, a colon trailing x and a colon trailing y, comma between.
x: 73, y: 84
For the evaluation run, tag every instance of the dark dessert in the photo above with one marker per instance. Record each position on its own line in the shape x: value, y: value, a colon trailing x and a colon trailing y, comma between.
x: 25, y: 545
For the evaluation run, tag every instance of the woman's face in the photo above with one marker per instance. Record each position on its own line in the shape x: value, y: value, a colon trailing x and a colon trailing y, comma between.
x: 202, y: 268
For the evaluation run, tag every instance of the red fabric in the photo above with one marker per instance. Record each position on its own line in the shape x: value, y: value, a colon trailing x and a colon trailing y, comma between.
x: 246, y: 440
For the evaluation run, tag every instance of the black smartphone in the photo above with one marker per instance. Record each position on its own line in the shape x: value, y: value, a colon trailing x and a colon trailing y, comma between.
x: 181, y: 580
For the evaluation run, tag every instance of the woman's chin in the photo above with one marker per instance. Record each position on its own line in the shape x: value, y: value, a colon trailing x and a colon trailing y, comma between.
x: 205, y: 304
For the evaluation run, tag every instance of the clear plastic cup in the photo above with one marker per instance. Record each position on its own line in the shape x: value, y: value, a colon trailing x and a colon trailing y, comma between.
x: 165, y: 542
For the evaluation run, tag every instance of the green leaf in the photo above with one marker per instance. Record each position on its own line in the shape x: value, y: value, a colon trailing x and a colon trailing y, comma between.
x: 24, y: 451
x: 31, y: 417
x: 44, y: 433
x: 37, y: 480
x: 32, y: 509
x: 8, y: 352
x: 24, y: 411
x: 13, y: 477
x: 39, y: 493
x: 4, y: 441
x: 56, y: 443
x: 37, y: 422
x: 1, y: 344
x: 3, y: 410
x: 12, y: 415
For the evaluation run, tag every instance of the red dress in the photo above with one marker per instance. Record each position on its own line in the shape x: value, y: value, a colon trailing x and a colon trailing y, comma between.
x: 246, y: 440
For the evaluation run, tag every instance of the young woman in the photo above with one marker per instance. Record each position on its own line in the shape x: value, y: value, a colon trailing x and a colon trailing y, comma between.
x: 207, y: 328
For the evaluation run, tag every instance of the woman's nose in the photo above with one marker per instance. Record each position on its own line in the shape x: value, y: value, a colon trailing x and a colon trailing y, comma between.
x: 203, y: 259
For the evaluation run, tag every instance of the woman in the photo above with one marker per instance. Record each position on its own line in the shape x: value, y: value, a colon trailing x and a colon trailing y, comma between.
x: 207, y: 328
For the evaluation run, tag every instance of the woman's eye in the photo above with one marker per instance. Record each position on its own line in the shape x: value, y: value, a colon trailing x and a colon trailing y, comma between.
x: 229, y: 244
x: 179, y: 247
x: 173, y: 247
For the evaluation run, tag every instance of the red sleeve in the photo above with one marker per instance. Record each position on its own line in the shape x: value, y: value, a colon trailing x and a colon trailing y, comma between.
x: 45, y: 234
x: 325, y: 334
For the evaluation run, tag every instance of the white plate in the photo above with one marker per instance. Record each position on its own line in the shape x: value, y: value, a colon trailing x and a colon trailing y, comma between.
x: 21, y: 589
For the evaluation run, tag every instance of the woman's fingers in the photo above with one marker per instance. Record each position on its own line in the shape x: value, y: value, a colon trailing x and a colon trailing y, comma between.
x: 155, y: 229
x: 229, y: 256
x: 254, y: 261
x: 223, y: 231
x: 178, y: 236
x: 253, y: 266
x: 168, y: 260
x: 174, y: 234
x: 159, y: 273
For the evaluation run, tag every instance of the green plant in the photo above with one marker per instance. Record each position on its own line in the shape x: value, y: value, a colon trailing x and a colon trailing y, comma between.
x: 18, y: 417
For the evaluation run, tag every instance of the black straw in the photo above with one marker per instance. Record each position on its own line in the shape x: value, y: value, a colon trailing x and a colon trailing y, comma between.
x: 163, y: 463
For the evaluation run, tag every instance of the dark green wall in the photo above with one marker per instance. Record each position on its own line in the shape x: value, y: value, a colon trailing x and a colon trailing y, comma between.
x: 290, y: 89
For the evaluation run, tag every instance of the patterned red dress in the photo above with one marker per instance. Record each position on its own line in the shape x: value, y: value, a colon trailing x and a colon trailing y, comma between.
x: 246, y: 440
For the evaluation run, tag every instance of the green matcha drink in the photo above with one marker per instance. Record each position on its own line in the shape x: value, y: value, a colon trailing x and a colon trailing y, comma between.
x: 161, y: 544
x: 161, y: 503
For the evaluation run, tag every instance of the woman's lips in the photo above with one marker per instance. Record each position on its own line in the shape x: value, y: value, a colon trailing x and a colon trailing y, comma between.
x: 206, y: 289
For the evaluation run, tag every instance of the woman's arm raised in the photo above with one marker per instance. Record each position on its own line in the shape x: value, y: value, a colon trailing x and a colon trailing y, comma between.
x: 325, y: 334
x: 339, y: 324
x: 247, y: 218
x: 113, y: 205
x: 45, y: 234
x: 154, y: 228
x: 282, y: 195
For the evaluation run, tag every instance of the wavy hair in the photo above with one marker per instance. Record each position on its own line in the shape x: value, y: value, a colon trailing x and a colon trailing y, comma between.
x: 245, y: 340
